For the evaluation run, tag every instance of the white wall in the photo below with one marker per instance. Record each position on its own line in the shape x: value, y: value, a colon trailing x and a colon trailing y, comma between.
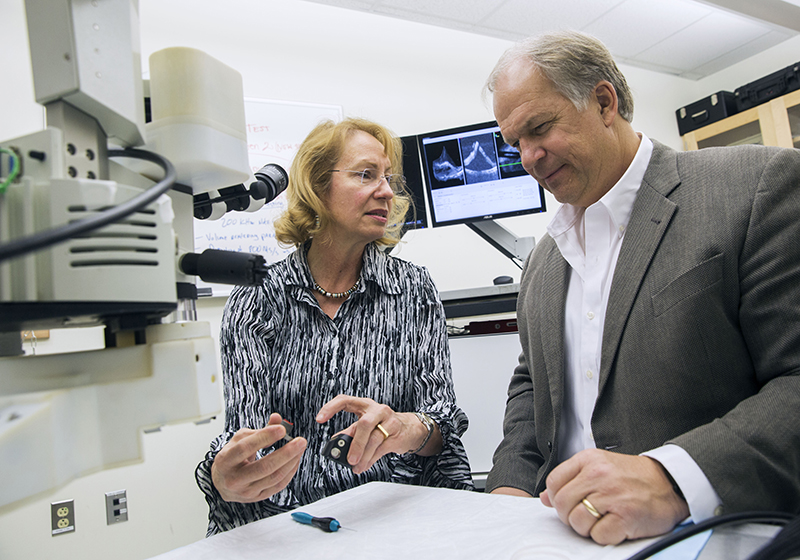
x: 411, y: 77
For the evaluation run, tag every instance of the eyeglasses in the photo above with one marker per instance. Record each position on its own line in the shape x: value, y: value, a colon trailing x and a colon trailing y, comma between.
x: 371, y: 178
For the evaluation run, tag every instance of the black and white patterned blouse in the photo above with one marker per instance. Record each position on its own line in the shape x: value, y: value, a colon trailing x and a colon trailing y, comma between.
x: 281, y: 353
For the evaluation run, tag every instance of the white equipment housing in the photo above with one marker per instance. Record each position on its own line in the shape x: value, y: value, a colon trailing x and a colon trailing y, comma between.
x: 66, y: 415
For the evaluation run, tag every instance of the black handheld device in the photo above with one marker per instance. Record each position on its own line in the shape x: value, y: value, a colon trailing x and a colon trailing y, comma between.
x: 288, y: 426
x: 337, y: 448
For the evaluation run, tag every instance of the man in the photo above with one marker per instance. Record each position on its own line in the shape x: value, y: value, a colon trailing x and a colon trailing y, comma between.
x: 659, y: 319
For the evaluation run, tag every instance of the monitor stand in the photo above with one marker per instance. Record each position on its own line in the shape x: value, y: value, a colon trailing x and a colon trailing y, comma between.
x: 515, y: 248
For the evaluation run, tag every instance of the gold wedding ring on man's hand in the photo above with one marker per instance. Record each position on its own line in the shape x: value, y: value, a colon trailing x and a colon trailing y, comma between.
x: 383, y: 431
x: 591, y: 509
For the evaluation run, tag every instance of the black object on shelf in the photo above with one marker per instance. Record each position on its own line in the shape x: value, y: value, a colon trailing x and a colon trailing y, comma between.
x: 711, y: 109
x: 480, y: 301
x: 769, y: 87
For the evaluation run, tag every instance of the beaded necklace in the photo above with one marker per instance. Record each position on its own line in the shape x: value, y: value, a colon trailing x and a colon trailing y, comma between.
x: 337, y: 295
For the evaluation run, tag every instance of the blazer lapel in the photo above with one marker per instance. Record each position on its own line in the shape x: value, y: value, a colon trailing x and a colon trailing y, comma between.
x: 552, y: 295
x: 650, y: 217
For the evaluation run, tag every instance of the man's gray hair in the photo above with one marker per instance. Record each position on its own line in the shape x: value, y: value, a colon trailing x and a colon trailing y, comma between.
x: 574, y: 62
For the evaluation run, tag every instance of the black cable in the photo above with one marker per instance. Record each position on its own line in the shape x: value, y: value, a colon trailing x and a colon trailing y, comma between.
x: 43, y: 239
x: 775, y: 517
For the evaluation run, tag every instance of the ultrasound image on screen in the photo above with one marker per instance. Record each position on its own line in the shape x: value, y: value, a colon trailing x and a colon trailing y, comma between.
x: 508, y: 158
x: 480, y: 159
x: 446, y: 169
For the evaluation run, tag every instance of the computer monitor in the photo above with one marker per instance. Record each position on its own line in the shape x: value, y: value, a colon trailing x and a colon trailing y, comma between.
x: 471, y: 175
x: 412, y: 169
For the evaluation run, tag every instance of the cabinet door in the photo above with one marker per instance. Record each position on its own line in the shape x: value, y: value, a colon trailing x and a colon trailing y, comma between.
x: 792, y: 102
x: 741, y: 128
x: 775, y: 123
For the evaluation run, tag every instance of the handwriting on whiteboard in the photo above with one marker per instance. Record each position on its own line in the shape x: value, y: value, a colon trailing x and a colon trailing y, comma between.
x: 275, y: 130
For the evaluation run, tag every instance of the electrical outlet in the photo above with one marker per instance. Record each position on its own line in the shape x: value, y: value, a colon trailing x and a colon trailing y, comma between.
x: 116, y: 507
x: 62, y: 517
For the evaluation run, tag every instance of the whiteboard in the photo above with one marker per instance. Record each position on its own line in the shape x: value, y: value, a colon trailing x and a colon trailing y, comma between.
x: 275, y: 130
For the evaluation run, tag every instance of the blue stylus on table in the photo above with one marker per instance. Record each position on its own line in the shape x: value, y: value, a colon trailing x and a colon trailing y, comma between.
x: 327, y: 524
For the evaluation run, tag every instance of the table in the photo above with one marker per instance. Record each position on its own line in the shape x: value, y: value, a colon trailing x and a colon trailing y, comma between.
x: 384, y: 520
x: 381, y: 520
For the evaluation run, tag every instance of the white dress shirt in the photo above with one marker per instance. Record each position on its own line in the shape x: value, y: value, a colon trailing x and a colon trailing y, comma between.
x: 590, y: 240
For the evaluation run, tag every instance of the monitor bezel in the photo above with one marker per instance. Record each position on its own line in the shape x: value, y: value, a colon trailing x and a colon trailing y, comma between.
x: 414, y: 177
x: 489, y: 126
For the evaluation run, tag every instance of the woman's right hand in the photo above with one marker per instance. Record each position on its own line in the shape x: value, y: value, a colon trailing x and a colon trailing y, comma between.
x: 239, y: 477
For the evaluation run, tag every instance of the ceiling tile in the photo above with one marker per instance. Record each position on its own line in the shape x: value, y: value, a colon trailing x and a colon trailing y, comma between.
x: 362, y: 5
x: 688, y: 38
x: 526, y: 18
x: 636, y: 25
x: 704, y: 41
x: 784, y: 14
x: 738, y: 54
x: 465, y: 11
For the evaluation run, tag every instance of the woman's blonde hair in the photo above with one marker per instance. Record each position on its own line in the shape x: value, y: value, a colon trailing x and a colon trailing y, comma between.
x: 310, y: 179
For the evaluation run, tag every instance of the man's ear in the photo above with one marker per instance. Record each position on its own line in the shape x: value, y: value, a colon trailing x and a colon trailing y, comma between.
x: 606, y: 97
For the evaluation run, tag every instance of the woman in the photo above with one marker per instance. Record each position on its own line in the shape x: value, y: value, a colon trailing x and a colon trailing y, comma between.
x: 338, y: 327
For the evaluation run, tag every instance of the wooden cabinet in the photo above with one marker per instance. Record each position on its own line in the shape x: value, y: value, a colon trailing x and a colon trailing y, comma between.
x: 775, y: 123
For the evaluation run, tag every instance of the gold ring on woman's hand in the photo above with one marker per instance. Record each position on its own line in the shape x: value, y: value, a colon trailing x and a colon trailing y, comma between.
x: 383, y: 431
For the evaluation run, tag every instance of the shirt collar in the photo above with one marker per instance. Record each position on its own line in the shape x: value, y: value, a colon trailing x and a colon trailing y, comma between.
x: 372, y: 270
x: 618, y: 201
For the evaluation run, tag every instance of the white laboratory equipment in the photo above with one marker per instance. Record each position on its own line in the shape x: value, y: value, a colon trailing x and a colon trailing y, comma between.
x: 96, y: 229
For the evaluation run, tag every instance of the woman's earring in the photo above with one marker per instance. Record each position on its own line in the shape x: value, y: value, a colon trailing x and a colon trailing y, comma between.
x: 316, y: 222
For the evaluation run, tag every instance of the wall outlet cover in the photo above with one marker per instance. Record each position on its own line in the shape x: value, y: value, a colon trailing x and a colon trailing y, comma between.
x: 62, y: 517
x: 116, y: 507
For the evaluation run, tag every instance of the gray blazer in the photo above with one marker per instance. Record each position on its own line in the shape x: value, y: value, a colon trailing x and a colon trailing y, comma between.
x: 701, y: 346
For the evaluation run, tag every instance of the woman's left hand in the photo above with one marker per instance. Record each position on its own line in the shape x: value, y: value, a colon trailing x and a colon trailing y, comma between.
x: 406, y: 432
